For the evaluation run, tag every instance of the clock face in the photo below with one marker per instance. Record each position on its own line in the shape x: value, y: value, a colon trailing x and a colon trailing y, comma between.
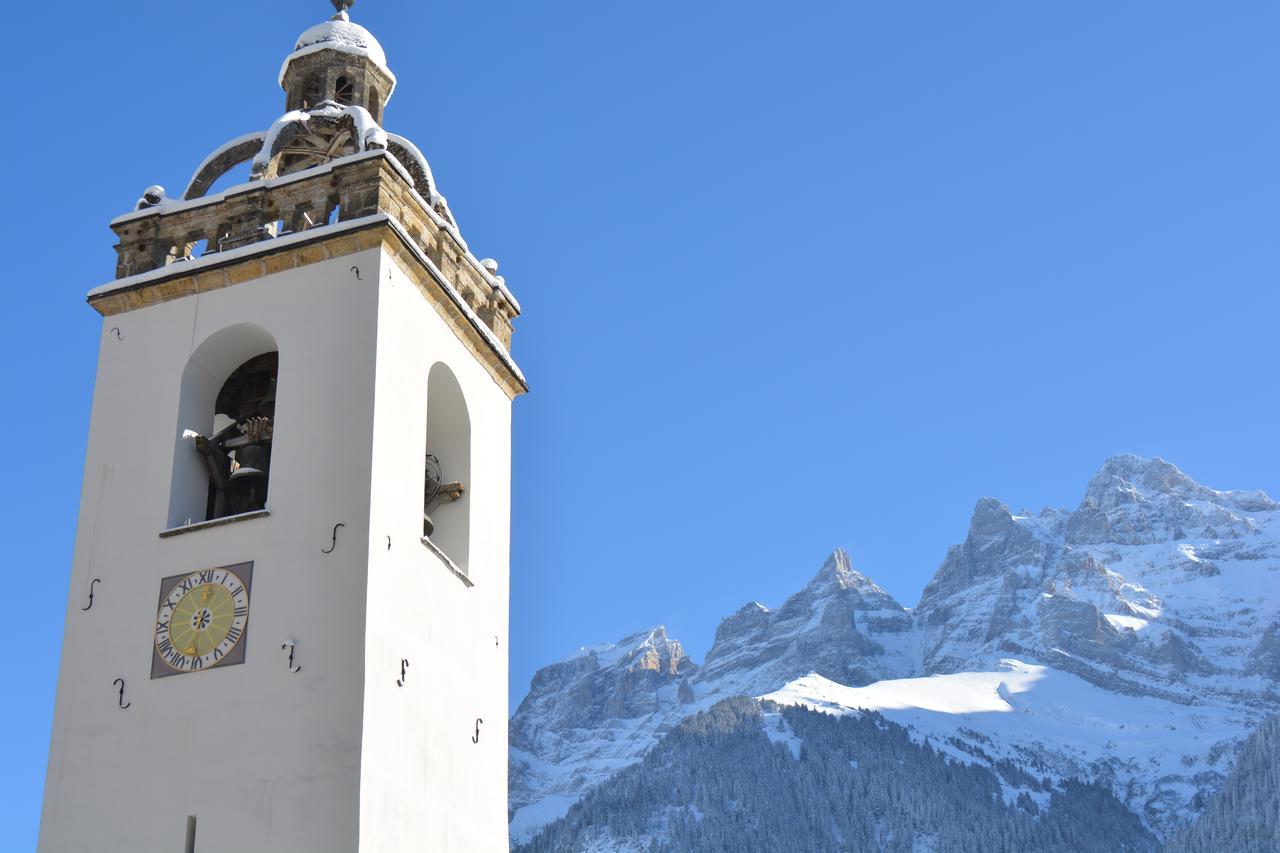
x: 202, y: 620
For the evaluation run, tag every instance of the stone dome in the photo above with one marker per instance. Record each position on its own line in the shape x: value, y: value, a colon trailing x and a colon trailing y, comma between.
x: 339, y: 34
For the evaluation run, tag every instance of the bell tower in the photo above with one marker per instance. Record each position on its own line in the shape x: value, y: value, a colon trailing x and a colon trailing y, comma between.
x: 288, y: 610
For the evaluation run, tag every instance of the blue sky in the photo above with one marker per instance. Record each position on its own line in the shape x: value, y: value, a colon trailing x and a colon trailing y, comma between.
x: 795, y: 276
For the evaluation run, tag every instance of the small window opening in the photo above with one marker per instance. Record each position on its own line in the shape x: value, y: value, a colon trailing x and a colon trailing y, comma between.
x: 344, y: 92
x: 313, y: 94
x: 190, y: 846
x: 237, y: 454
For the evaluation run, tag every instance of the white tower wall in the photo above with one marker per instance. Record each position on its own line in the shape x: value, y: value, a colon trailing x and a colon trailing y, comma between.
x: 420, y: 736
x: 267, y: 760
x: 337, y: 756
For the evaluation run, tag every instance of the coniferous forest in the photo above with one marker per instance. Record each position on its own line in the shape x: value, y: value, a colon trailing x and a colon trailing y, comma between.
x: 1243, y: 817
x: 747, y: 775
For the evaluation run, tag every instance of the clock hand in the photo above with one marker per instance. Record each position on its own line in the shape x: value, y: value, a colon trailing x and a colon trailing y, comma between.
x: 206, y: 624
x: 195, y: 626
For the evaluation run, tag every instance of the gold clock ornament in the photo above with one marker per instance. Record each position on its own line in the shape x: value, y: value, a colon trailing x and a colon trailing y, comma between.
x: 202, y: 620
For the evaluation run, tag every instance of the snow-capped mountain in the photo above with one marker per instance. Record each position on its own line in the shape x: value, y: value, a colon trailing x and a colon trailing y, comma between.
x: 841, y: 625
x: 605, y: 706
x: 1155, y: 585
x: 1134, y: 641
x: 588, y: 716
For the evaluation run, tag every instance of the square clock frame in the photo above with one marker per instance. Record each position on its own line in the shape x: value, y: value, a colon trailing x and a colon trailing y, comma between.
x: 202, y: 620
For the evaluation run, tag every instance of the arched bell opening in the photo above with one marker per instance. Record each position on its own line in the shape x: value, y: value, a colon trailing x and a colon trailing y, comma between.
x: 238, y: 454
x: 344, y: 91
x: 312, y: 92
x: 226, y: 427
x: 303, y: 144
x: 446, y: 510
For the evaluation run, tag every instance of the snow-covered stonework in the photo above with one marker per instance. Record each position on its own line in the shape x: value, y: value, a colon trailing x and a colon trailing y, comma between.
x: 342, y: 35
x: 1134, y: 641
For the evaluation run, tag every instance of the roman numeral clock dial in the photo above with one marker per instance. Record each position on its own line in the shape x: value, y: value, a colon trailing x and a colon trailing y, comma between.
x: 202, y: 620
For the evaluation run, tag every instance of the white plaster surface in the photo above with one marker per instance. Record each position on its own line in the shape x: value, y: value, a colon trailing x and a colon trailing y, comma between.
x: 335, y: 757
x: 424, y: 784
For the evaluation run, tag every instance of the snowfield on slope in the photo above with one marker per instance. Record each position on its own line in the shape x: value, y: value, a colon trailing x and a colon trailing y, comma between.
x: 1150, y: 751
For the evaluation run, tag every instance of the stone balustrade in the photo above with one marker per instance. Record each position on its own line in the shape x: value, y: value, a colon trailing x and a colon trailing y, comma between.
x: 176, y: 232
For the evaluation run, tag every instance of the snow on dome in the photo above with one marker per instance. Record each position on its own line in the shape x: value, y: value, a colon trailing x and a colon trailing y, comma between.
x: 345, y: 36
x: 339, y: 33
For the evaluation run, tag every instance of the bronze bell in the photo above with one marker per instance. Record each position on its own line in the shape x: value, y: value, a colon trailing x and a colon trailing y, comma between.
x: 251, y: 461
x: 247, y: 488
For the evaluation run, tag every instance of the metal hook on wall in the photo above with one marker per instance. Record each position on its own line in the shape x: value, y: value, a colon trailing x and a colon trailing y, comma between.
x: 404, y: 665
x: 334, y: 543
x: 119, y: 682
x: 92, y: 584
x: 356, y: 270
x: 116, y: 330
x: 290, y: 646
x: 476, y: 737
x: 388, y: 543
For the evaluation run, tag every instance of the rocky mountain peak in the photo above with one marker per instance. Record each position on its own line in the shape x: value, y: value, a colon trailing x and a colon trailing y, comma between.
x: 993, y: 524
x: 649, y: 650
x: 1127, y: 478
x: 840, y: 624
x: 1117, y: 591
x: 632, y: 684
x: 610, y: 680
x: 998, y: 542
x: 1136, y: 501
x: 837, y: 574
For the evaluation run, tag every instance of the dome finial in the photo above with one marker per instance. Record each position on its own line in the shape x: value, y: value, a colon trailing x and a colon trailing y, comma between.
x: 342, y: 5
